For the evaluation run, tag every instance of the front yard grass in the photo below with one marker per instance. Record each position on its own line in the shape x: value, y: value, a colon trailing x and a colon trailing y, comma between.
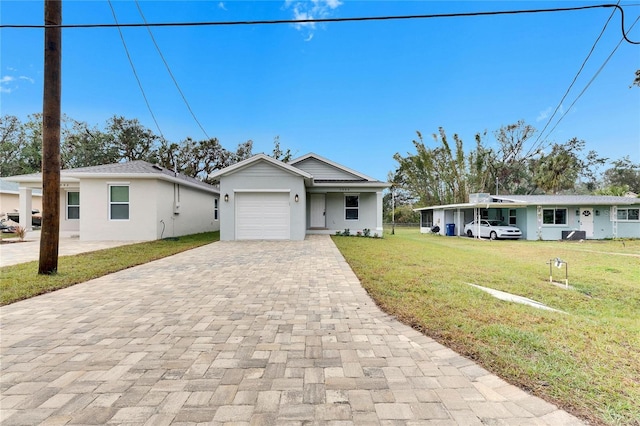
x: 587, y: 361
x: 22, y: 281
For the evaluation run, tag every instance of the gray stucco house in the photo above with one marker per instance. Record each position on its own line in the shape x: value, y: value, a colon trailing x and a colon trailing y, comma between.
x: 263, y: 198
x: 543, y: 217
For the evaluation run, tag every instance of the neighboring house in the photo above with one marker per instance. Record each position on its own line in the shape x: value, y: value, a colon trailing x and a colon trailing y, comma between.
x: 543, y: 217
x: 127, y: 201
x: 263, y: 198
x: 10, y: 198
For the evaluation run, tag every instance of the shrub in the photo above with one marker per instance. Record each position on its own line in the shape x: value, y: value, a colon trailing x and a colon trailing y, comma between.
x: 20, y: 232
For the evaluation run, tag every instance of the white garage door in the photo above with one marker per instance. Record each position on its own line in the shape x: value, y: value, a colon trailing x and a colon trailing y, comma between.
x: 262, y: 216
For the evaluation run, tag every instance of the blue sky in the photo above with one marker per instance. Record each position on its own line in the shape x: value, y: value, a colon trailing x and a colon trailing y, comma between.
x: 353, y: 92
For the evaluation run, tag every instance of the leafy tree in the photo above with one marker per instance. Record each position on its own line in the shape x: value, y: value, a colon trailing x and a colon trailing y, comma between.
x: 132, y: 139
x: 624, y: 172
x: 618, y: 191
x: 513, y: 162
x: 434, y: 175
x: 278, y: 153
x: 12, y: 140
x: 84, y: 146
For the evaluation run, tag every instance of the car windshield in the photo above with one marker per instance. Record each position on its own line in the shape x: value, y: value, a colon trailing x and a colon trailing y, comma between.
x: 495, y: 223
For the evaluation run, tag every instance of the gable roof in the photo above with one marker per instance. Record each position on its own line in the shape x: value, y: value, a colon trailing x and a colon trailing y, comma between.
x: 257, y: 158
x: 130, y: 170
x: 349, y: 176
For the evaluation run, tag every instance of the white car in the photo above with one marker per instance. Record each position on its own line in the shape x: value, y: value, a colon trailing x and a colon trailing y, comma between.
x: 493, y: 229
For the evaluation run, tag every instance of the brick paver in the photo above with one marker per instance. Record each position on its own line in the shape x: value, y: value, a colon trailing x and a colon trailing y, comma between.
x: 243, y: 333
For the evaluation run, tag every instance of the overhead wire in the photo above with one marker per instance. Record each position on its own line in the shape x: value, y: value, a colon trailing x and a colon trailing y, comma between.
x: 124, y: 43
x: 175, y: 82
x: 539, y: 140
x: 327, y: 20
x: 592, y: 79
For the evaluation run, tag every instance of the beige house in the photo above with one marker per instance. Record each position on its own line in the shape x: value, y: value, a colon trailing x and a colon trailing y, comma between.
x: 10, y: 198
x: 131, y: 201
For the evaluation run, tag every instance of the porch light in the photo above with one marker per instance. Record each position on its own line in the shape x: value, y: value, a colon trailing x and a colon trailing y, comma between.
x: 296, y: 198
x: 226, y: 198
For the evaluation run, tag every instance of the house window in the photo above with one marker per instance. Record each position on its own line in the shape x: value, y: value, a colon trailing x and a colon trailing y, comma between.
x: 554, y: 216
x: 215, y: 209
x: 118, y: 202
x: 628, y: 214
x: 73, y: 205
x: 351, y: 203
x: 484, y: 214
x: 512, y: 217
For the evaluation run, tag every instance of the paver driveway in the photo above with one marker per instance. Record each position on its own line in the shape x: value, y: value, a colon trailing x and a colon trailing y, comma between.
x: 241, y: 333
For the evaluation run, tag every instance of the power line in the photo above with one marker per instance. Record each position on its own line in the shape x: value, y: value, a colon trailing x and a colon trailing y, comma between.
x: 592, y: 79
x: 134, y: 70
x: 536, y: 145
x: 170, y: 73
x: 327, y: 20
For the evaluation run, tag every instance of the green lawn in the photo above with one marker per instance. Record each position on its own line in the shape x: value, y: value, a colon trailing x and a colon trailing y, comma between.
x: 587, y: 361
x: 22, y: 281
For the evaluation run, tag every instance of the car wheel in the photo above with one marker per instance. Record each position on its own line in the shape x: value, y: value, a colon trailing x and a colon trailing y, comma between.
x: 493, y: 235
x: 469, y: 233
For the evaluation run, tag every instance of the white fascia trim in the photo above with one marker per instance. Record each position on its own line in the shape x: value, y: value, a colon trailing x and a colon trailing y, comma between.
x: 262, y: 190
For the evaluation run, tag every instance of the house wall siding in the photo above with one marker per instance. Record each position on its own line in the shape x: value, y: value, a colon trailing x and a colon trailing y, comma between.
x: 367, y: 213
x: 323, y: 171
x: 10, y: 202
x: 262, y: 176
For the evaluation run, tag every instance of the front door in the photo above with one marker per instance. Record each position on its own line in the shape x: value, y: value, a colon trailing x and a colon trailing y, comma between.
x: 317, y: 208
x: 586, y: 221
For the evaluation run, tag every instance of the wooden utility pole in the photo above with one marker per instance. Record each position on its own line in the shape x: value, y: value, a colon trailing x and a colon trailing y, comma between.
x: 50, y: 234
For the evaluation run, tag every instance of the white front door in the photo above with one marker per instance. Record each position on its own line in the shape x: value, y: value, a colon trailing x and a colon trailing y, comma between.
x: 317, y: 211
x: 586, y: 221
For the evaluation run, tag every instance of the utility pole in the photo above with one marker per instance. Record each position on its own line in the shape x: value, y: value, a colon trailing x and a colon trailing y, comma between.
x: 50, y: 234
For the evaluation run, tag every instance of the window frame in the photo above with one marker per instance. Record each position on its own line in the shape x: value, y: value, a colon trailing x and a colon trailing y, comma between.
x: 119, y: 203
x: 555, y: 211
x: 216, y: 208
x: 69, y: 205
x: 355, y: 208
x: 513, y: 216
x: 626, y: 210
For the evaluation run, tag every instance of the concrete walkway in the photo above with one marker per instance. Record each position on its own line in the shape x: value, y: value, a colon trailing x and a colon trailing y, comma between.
x: 261, y: 333
x: 29, y: 249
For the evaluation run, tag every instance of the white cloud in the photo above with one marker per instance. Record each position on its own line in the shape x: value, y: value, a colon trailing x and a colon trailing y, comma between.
x: 29, y: 79
x: 543, y: 115
x: 222, y: 6
x: 315, y: 9
x: 5, y: 82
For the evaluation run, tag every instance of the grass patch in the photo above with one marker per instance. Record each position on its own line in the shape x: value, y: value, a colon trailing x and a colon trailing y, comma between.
x: 586, y: 361
x: 18, y: 282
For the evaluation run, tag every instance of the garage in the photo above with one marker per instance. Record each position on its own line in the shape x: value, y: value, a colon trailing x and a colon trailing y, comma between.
x: 262, y: 216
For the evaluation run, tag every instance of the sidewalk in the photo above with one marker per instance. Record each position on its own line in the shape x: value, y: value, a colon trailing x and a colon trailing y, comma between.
x: 12, y: 253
